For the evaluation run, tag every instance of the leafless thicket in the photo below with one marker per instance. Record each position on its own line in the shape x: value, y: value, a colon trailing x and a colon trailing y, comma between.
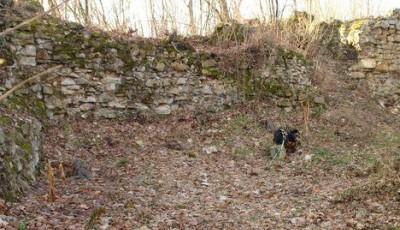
x: 191, y: 17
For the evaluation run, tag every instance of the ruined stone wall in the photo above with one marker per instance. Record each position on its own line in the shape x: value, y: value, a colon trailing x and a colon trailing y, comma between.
x: 20, y: 152
x: 109, y: 76
x: 378, y: 44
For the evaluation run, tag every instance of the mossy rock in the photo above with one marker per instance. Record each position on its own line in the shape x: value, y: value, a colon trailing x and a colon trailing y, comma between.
x: 212, y: 72
x: 285, y: 55
x: 26, y: 104
x: 6, y: 56
x: 300, y: 17
x: 6, y: 121
x: 21, y: 152
x: 232, y: 31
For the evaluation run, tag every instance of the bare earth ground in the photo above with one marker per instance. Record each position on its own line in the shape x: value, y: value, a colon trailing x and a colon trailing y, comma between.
x: 213, y: 171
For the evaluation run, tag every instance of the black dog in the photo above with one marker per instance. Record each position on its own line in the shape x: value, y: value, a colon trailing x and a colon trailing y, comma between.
x: 279, y: 136
x: 288, y: 139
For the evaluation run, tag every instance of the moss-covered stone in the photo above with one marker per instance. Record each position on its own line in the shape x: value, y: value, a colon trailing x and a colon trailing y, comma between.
x: 26, y: 103
x: 20, y: 153
x: 284, y: 55
x: 232, y: 31
x: 6, y: 121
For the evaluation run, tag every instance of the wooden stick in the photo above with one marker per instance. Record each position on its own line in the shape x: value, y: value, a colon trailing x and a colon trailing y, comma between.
x: 19, y: 85
x: 26, y: 22
x: 61, y: 168
x: 51, y: 183
x: 306, y: 116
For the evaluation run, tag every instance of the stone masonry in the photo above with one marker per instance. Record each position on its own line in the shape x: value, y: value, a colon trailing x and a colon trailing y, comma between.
x: 378, y: 42
x: 107, y: 76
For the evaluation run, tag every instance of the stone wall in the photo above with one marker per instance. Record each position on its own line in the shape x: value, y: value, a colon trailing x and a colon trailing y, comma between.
x: 118, y: 76
x: 20, y: 152
x: 378, y: 44
x: 108, y: 77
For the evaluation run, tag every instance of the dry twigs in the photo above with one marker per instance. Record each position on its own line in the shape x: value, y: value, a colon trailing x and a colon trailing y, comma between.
x: 306, y: 116
x: 51, y: 183
x: 19, y: 85
x: 26, y: 22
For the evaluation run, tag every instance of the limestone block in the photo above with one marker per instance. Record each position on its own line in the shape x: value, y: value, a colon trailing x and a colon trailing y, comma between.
x: 368, y: 63
x: 163, y: 110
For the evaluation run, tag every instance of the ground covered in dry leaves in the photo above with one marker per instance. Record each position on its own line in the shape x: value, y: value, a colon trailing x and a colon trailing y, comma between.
x: 213, y: 171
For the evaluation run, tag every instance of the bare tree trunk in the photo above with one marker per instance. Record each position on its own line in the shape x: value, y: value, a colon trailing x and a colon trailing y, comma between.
x: 223, y: 5
x: 309, y: 6
x: 272, y: 10
x: 103, y: 14
x: 153, y: 22
x: 65, y: 11
x: 236, y: 9
x: 87, y: 17
x: 56, y: 12
x: 213, y: 8
x: 192, y: 20
x: 164, y: 18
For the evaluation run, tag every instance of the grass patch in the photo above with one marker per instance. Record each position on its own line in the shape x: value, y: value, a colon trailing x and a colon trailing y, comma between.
x: 94, y: 217
x: 373, y: 188
x: 238, y: 124
x: 387, y: 138
x: 122, y: 162
x: 353, y: 163
x: 241, y: 152
x: 317, y: 111
x: 22, y: 225
x: 393, y: 228
x: 327, y: 157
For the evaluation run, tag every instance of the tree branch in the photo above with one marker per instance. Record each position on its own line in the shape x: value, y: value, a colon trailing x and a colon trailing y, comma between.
x: 19, y: 85
x: 26, y: 22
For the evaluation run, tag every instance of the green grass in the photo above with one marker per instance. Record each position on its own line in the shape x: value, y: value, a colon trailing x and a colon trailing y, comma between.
x: 122, y: 162
x: 238, y: 124
x: 387, y: 138
x: 241, y: 152
x: 326, y: 156
x: 317, y: 111
x: 373, y: 188
x: 393, y: 228
x: 96, y: 214
x: 352, y: 163
x: 22, y: 225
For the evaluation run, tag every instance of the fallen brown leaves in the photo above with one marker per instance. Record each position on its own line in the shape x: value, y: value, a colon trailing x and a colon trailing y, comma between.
x: 158, y: 176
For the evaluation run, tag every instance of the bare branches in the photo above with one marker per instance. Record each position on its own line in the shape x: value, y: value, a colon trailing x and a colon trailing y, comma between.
x: 24, y: 23
x: 37, y: 76
x: 236, y: 9
x: 192, y: 20
x: 214, y: 8
x: 223, y: 5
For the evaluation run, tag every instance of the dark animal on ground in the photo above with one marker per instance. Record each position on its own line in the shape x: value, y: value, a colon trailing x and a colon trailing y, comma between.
x: 292, y: 141
x: 279, y: 136
x: 289, y: 139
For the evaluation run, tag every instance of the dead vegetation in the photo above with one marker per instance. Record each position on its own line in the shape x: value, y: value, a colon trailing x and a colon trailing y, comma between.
x: 213, y: 170
x: 175, y: 173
